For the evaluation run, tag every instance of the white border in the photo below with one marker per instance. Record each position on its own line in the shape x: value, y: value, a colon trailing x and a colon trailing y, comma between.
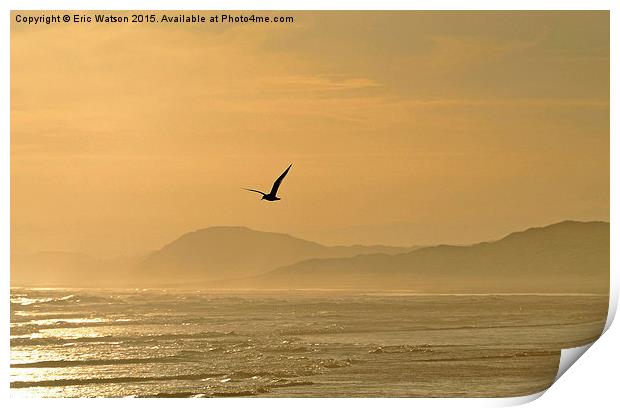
x: 593, y: 379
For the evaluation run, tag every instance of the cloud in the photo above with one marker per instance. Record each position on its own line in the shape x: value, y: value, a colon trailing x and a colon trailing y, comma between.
x: 320, y: 83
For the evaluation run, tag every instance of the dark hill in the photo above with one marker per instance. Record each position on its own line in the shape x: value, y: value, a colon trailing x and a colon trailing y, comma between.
x: 566, y: 257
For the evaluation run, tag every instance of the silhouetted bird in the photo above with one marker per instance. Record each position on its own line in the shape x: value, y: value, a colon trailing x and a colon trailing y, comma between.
x: 274, y: 190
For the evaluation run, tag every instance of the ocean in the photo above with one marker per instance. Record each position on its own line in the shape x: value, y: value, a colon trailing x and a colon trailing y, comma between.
x: 175, y: 343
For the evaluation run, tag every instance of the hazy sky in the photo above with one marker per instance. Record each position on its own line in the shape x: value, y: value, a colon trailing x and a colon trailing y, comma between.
x: 403, y: 128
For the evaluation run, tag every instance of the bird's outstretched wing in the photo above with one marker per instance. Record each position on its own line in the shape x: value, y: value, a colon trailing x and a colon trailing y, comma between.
x: 276, y: 184
x: 256, y: 191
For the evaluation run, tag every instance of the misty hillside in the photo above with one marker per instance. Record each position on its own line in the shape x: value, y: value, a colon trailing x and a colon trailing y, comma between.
x: 232, y: 252
x: 565, y: 257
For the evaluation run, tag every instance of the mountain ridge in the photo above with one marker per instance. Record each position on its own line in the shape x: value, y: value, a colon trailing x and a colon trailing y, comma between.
x: 207, y: 253
x: 533, y: 259
x: 570, y: 255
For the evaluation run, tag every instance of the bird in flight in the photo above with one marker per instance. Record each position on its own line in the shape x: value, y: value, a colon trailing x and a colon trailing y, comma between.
x: 271, y: 196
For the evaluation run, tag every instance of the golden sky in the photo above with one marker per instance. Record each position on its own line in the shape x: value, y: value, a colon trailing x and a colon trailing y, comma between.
x: 403, y: 128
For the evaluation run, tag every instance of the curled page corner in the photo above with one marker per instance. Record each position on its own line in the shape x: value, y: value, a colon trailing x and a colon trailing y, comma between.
x: 515, y: 401
x: 568, y: 358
